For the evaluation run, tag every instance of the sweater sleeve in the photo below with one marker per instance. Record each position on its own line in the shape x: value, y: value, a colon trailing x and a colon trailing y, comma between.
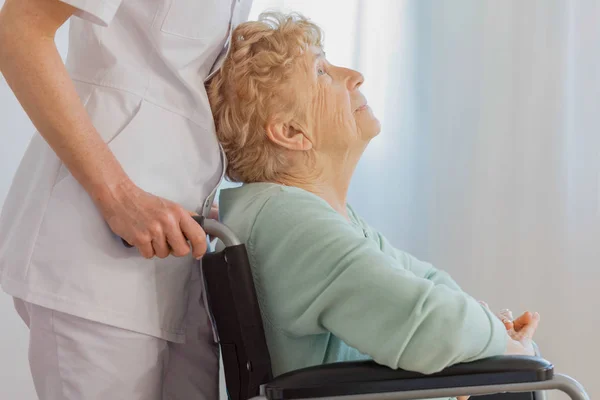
x: 318, y: 274
x: 419, y: 268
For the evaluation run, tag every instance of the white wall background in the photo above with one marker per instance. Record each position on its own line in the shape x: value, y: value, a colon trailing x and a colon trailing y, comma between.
x: 488, y: 164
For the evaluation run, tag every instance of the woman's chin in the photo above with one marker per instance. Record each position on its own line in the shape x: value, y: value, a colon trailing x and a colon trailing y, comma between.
x: 373, y: 130
x: 369, y: 124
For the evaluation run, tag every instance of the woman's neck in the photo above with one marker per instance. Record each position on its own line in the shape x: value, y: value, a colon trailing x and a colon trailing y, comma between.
x: 329, y: 180
x: 335, y: 194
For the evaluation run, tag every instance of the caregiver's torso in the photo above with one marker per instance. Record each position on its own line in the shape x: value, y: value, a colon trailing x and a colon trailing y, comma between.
x: 141, y: 79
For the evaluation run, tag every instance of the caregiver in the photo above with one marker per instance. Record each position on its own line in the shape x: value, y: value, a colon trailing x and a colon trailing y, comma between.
x: 126, y: 147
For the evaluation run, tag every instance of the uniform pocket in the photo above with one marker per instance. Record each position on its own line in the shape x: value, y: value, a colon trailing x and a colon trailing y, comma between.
x: 122, y: 111
x: 168, y: 155
x: 197, y: 19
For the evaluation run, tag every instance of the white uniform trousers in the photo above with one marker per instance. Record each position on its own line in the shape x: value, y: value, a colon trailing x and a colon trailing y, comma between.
x: 72, y: 358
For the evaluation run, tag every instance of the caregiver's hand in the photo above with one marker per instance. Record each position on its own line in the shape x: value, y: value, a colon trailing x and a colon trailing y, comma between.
x: 156, y: 226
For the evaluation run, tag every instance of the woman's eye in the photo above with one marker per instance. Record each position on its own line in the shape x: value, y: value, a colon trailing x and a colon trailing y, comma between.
x: 320, y: 71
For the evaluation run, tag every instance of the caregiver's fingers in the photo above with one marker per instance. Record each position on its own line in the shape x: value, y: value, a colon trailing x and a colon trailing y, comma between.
x: 146, y: 221
x: 178, y: 244
x: 159, y: 241
x: 161, y: 248
x: 195, y: 234
x: 145, y: 249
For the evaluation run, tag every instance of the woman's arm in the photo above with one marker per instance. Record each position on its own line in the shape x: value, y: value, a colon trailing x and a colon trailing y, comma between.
x: 33, y: 68
x: 418, y: 267
x: 317, y: 274
x: 518, y: 343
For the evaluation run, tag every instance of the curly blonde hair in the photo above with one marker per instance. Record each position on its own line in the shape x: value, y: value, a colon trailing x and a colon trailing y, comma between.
x: 249, y: 92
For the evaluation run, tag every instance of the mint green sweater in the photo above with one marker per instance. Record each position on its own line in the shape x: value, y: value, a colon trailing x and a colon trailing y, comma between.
x: 332, y: 290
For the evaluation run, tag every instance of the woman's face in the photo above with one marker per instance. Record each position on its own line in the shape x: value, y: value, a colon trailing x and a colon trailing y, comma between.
x: 337, y: 117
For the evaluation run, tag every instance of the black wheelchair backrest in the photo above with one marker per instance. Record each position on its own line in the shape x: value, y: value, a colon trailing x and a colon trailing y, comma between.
x: 234, y: 306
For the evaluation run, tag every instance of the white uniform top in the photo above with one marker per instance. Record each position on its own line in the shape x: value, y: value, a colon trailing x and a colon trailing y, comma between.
x: 139, y: 68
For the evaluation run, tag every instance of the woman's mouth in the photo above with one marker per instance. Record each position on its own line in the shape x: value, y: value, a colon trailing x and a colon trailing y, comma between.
x: 362, y: 108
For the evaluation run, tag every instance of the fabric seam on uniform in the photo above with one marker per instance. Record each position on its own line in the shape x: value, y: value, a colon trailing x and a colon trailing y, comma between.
x: 58, y: 368
x: 143, y: 97
x: 108, y: 5
x: 153, y: 55
x: 105, y: 85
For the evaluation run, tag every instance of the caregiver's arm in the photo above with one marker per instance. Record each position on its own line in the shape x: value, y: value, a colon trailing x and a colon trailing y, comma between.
x: 34, y: 70
x: 321, y: 275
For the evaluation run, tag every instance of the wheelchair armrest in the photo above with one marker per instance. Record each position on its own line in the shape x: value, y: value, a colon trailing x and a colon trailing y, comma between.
x: 367, y: 377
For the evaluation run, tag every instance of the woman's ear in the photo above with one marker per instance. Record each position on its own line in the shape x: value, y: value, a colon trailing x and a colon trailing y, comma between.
x: 287, y: 136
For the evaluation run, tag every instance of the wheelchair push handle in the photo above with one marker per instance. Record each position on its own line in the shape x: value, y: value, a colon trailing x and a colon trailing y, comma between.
x: 213, y: 228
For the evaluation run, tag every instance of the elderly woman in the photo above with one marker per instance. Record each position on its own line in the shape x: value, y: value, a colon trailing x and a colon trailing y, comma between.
x: 330, y: 287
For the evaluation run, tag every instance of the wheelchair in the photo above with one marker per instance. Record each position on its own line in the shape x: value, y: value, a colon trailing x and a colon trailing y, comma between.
x: 235, y: 312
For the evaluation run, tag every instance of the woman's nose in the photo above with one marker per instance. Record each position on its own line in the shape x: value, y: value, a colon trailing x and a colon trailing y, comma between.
x: 355, y: 79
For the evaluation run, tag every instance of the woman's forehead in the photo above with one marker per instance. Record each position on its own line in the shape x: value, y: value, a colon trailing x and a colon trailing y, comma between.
x: 308, y: 58
x: 317, y: 53
x: 312, y: 55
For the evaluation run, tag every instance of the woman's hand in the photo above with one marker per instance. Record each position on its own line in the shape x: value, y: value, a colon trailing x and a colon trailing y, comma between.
x: 521, y: 325
x: 156, y: 226
x: 520, y: 331
x: 507, y: 318
x: 515, y: 325
x: 521, y: 335
x: 509, y: 322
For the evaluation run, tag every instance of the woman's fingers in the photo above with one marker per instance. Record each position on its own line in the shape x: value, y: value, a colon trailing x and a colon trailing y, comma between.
x: 529, y: 329
x: 523, y: 320
x: 506, y: 314
x: 523, y: 328
x: 506, y: 317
